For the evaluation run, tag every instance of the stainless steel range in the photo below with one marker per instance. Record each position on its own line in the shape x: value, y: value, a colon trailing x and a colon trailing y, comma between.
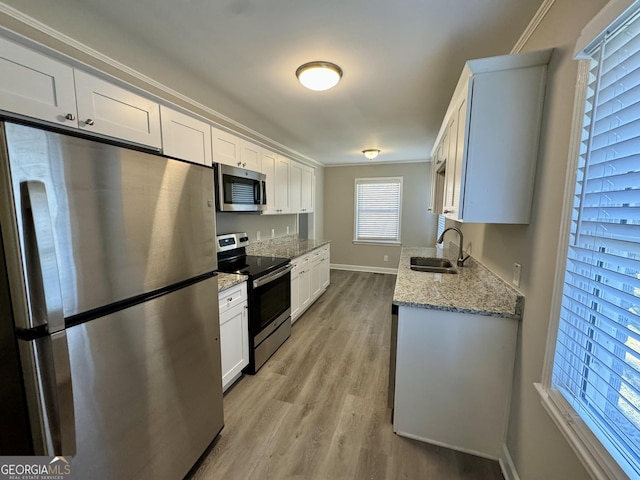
x: 269, y: 292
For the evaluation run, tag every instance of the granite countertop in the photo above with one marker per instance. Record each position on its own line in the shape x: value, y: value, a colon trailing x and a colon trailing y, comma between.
x: 473, y: 290
x: 227, y: 280
x: 288, y: 246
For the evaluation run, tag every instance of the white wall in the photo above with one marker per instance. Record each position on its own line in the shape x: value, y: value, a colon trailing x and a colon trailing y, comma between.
x: 536, y: 446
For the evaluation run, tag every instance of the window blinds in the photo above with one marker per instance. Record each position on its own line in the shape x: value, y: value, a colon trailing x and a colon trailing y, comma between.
x: 378, y: 206
x: 597, y: 358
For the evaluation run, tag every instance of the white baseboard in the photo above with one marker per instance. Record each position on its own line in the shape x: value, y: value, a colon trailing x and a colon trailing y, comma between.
x: 363, y: 268
x: 507, y: 466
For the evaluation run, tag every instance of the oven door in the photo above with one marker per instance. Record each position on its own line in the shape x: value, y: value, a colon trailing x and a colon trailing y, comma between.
x: 270, y: 298
x: 239, y: 190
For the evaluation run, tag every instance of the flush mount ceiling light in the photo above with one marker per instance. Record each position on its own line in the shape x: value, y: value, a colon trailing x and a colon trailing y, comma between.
x: 371, y: 153
x: 319, y: 76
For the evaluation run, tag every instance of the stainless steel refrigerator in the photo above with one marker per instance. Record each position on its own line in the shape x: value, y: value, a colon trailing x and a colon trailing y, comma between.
x: 109, y: 316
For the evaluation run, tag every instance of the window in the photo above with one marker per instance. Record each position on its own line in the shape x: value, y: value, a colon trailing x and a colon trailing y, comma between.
x: 378, y: 209
x: 595, y: 374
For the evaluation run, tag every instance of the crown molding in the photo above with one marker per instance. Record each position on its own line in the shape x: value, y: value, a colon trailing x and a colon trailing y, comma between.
x: 216, y: 116
x: 533, y: 25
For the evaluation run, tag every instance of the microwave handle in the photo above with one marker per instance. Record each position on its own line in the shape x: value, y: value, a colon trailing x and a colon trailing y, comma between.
x: 256, y: 193
x: 264, y: 192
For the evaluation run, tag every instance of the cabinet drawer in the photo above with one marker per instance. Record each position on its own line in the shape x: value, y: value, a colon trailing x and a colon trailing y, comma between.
x: 232, y: 296
x: 300, y: 263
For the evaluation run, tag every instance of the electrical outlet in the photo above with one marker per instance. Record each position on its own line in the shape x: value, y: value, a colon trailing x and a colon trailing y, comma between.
x: 517, y: 269
x: 385, y: 258
x: 287, y: 229
x: 273, y: 232
x: 258, y: 235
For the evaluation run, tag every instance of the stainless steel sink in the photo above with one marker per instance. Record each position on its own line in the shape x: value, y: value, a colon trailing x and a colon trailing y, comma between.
x: 432, y: 264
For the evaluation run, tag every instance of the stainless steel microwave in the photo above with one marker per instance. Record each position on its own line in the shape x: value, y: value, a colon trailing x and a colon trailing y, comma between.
x: 239, y: 190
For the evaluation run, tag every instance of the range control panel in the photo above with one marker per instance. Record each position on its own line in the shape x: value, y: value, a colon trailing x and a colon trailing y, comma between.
x: 230, y: 241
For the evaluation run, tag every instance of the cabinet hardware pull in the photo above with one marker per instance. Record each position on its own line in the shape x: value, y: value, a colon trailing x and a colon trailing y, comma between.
x: 70, y: 116
x: 88, y: 121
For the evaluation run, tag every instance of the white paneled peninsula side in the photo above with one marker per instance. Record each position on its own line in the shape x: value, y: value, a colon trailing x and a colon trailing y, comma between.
x: 454, y: 354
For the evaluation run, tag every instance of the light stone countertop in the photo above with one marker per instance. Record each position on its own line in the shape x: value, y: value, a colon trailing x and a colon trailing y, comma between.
x: 288, y: 246
x: 228, y: 280
x: 474, y: 289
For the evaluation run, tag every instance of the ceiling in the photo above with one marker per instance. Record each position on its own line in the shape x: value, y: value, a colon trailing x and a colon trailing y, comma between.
x: 401, y: 61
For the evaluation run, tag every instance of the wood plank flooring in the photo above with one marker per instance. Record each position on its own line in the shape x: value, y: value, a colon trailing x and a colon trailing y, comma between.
x: 318, y: 408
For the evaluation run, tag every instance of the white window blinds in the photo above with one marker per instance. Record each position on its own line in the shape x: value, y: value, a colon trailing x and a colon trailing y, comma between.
x: 597, y: 359
x: 378, y: 209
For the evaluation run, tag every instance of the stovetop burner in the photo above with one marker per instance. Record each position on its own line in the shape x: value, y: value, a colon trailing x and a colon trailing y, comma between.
x: 251, y: 265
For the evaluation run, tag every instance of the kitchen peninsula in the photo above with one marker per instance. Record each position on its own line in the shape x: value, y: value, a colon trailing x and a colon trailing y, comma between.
x: 456, y: 337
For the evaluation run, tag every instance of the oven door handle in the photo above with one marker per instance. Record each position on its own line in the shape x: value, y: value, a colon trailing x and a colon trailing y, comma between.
x: 272, y: 276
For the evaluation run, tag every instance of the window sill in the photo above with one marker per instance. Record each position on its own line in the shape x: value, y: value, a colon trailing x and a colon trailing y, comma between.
x: 595, y: 459
x: 377, y: 242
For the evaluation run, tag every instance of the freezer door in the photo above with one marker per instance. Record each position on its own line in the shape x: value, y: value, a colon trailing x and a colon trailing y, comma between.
x: 147, y: 386
x: 124, y: 222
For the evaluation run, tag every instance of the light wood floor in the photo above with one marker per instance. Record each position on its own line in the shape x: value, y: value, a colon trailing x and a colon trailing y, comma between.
x: 318, y: 408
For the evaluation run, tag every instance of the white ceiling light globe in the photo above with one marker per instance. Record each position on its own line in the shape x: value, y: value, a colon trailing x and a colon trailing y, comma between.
x: 319, y: 76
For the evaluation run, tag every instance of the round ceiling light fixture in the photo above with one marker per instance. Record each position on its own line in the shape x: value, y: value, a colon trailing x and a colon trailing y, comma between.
x: 371, y: 153
x: 319, y: 76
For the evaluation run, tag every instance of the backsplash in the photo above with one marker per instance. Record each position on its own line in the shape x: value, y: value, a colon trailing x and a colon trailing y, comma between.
x: 268, y: 225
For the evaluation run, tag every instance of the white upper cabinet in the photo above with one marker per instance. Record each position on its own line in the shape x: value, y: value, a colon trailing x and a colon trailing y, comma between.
x: 301, y: 183
x: 277, y: 170
x: 35, y: 85
x: 226, y: 147
x: 38, y: 86
x: 185, y: 137
x: 250, y: 156
x: 235, y: 151
x: 282, y: 189
x: 268, y: 167
x: 492, y: 128
x: 108, y: 109
x: 295, y: 186
x: 308, y: 183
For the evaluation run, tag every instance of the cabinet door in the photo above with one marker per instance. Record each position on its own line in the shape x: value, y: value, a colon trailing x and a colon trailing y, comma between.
x: 315, y: 281
x: 325, y: 269
x: 282, y: 194
x: 111, y: 110
x: 458, y: 180
x: 295, y: 187
x: 450, y: 166
x: 295, y: 292
x: 37, y: 86
x: 308, y: 183
x: 226, y: 147
x: 250, y: 155
x: 234, y: 343
x: 305, y: 288
x: 268, y: 167
x: 185, y: 137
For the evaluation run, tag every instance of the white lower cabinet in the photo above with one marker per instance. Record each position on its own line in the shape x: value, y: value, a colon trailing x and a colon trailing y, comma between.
x: 325, y: 262
x: 234, y: 332
x: 315, y: 284
x: 309, y: 279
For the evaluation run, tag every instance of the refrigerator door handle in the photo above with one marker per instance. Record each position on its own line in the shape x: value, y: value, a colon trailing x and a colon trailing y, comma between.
x: 47, y: 379
x: 42, y: 262
x: 65, y: 440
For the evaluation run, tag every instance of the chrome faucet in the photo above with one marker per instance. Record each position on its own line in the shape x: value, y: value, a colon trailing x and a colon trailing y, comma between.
x: 461, y: 257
